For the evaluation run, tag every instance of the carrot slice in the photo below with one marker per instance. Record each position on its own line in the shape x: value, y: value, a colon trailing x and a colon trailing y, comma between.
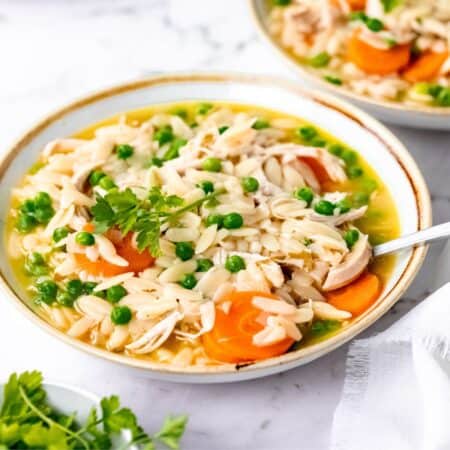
x: 318, y: 169
x: 355, y: 5
x: 99, y: 267
x: 137, y: 261
x: 374, y: 60
x: 425, y: 67
x: 231, y: 339
x: 358, y: 296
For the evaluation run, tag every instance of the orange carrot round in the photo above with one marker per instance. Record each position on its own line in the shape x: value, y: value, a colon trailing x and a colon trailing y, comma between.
x: 137, y: 261
x: 374, y: 60
x: 425, y: 67
x: 231, y: 339
x: 358, y: 296
x: 355, y: 5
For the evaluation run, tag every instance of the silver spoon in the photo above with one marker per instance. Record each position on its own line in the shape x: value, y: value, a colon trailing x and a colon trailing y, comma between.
x: 431, y: 234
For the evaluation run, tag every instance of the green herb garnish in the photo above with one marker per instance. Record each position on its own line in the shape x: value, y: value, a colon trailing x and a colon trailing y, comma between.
x: 28, y: 421
x: 142, y: 216
x: 389, y: 5
x: 333, y: 80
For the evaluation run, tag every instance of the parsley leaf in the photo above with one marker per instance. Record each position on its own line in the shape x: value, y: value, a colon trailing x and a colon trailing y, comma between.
x: 28, y: 421
x: 143, y: 216
x: 172, y: 430
x: 389, y: 5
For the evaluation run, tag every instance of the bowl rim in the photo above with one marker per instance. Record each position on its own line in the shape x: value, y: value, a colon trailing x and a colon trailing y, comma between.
x: 258, y: 20
x: 229, y: 372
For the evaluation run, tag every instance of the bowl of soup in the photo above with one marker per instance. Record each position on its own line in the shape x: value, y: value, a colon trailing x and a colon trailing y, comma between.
x: 207, y: 228
x: 392, y: 58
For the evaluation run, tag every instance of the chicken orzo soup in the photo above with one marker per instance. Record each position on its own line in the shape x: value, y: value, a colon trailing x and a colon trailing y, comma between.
x: 396, y: 50
x: 200, y: 233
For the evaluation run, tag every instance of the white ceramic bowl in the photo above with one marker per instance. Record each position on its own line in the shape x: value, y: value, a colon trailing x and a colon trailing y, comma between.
x: 437, y: 118
x: 380, y: 148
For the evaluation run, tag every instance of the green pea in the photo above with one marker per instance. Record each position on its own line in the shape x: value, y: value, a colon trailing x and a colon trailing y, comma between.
x: 336, y: 149
x: 44, y: 213
x: 358, y: 15
x: 36, y: 259
x: 260, y: 124
x: 181, y: 112
x: 434, y: 89
x: 360, y: 199
x: 88, y: 287
x: 324, y: 207
x: 214, y: 219
x: 344, y: 205
x: 443, y: 99
x: 42, y: 199
x: 163, y: 135
x: 206, y: 186
x: 27, y: 207
x: 307, y: 132
x: 184, y: 250
x: 121, y: 315
x: 320, y: 60
x: 318, y: 142
x: 47, y: 291
x: 250, y: 184
x: 223, y: 129
x: 174, y: 149
x: 95, y: 177
x: 368, y: 185
x: 349, y: 156
x: 204, y: 264
x: 25, y: 223
x: 85, y: 238
x: 234, y: 264
x: 212, y: 165
x: 233, y: 221
x: 107, y: 183
x: 60, y: 233
x: 124, y: 151
x: 188, y: 281
x: 115, y: 293
x: 35, y: 264
x: 75, y: 287
x: 306, y: 194
x: 333, y: 80
x: 374, y: 24
x: 204, y: 108
x: 354, y: 172
x: 351, y: 237
x: 157, y: 162
x: 65, y: 299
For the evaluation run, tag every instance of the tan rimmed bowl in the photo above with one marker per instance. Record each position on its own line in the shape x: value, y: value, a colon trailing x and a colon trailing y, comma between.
x: 372, y: 140
x: 425, y: 117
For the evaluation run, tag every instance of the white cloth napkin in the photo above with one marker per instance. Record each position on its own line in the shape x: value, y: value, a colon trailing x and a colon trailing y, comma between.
x: 397, y: 389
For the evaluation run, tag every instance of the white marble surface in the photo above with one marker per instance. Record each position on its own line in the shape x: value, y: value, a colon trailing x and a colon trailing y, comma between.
x: 53, y: 51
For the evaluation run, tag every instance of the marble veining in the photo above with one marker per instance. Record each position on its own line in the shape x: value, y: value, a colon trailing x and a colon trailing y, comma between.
x: 56, y: 50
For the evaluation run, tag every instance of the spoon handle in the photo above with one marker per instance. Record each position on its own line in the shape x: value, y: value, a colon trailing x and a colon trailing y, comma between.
x: 431, y: 234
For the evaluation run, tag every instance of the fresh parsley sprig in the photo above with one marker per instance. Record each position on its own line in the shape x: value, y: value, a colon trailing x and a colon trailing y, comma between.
x: 143, y: 216
x: 28, y: 421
